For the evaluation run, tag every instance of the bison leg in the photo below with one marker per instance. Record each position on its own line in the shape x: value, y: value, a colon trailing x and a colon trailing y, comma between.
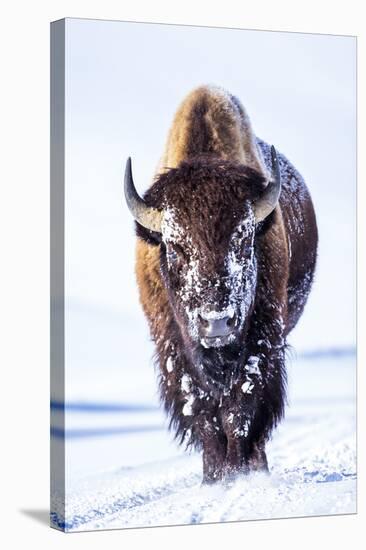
x: 244, y: 454
x: 236, y: 427
x: 214, y: 450
x: 235, y: 462
x: 257, y: 461
x: 243, y: 457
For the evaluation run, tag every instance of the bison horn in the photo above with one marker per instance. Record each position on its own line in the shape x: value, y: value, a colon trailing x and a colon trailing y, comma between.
x: 268, y: 201
x: 145, y: 215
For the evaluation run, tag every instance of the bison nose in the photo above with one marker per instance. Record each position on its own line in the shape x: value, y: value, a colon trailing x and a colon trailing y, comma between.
x: 216, y: 326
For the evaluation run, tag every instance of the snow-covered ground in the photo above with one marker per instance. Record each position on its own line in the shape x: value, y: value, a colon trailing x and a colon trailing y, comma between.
x: 124, y: 470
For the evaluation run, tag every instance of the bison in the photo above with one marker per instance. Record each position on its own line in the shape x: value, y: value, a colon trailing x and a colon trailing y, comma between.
x: 226, y: 252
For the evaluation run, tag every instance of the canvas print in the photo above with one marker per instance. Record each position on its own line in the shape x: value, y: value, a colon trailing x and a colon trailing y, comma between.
x: 203, y: 230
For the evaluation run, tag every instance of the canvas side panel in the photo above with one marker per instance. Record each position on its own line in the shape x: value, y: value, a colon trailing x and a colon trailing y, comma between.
x: 57, y: 314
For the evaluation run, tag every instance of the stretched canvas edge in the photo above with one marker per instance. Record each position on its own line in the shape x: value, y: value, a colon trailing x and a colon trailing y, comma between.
x: 57, y: 273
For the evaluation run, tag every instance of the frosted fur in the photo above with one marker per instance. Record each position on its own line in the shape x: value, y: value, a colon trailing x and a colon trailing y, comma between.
x: 242, y: 271
x: 187, y: 408
x: 252, y: 366
x: 247, y: 387
x: 169, y: 364
x: 186, y: 383
x: 227, y: 312
x: 240, y: 279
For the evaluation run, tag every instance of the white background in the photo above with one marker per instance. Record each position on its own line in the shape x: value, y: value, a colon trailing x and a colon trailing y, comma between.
x: 25, y: 285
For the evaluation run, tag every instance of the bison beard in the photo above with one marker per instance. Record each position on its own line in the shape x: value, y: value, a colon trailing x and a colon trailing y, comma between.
x: 203, y: 255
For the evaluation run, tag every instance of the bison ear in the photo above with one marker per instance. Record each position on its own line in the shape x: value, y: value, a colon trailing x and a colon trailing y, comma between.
x: 150, y: 237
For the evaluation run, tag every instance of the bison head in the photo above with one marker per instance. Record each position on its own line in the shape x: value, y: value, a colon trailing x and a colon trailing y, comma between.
x: 205, y: 216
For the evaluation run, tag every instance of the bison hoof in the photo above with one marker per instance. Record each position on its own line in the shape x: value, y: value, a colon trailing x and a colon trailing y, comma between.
x: 211, y: 479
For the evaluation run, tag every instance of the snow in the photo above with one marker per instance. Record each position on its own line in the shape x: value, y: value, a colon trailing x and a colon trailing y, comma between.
x: 242, y: 271
x: 187, y: 409
x: 252, y: 366
x: 171, y: 230
x: 169, y: 364
x: 185, y: 383
x: 144, y: 479
x: 215, y: 315
x: 247, y: 387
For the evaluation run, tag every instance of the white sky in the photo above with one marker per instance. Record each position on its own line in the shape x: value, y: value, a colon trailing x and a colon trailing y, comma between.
x: 124, y: 82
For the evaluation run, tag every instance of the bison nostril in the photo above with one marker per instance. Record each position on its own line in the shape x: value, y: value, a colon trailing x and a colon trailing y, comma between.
x: 204, y: 322
x: 231, y: 321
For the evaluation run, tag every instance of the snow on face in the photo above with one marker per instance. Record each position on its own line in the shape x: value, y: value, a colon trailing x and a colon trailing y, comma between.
x: 240, y: 269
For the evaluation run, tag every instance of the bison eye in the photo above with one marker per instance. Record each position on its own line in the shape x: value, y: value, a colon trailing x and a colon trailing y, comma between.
x: 247, y: 250
x: 176, y: 253
x: 172, y: 255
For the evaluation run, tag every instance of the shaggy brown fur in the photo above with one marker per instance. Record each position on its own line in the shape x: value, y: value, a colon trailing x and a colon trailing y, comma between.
x: 224, y: 400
